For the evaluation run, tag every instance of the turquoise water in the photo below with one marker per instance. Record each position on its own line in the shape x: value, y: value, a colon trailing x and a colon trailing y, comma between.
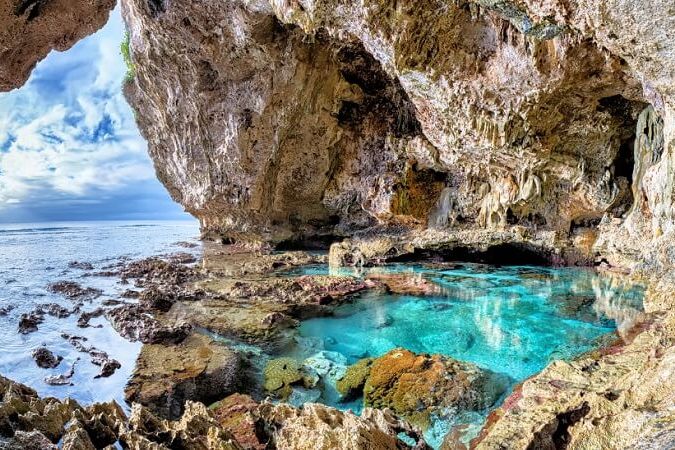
x: 511, y: 320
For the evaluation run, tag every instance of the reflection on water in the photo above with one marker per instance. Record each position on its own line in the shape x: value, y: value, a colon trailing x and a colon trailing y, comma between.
x: 511, y: 320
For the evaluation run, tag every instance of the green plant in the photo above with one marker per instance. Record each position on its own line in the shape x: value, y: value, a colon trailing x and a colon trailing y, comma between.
x: 125, y: 49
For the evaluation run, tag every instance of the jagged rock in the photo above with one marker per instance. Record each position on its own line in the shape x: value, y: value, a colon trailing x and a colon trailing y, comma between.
x: 198, y: 368
x: 22, y: 440
x: 5, y: 310
x: 62, y: 379
x: 238, y: 414
x: 98, y: 357
x: 318, y: 427
x: 620, y: 396
x: 74, y: 291
x: 53, y: 309
x: 28, y: 322
x: 21, y: 409
x: 30, y: 29
x: 85, y: 317
x: 134, y: 323
x: 45, y: 359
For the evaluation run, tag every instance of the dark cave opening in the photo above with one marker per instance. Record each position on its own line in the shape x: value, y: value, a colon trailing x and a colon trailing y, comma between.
x: 505, y: 254
x: 320, y: 242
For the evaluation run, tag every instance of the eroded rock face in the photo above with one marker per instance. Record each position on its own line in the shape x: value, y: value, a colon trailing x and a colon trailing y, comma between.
x: 280, y: 120
x: 30, y: 29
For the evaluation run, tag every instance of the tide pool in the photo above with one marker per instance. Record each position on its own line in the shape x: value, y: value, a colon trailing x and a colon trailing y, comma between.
x: 511, y: 320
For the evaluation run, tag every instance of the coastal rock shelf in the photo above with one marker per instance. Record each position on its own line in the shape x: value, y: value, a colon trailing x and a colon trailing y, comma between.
x: 464, y: 163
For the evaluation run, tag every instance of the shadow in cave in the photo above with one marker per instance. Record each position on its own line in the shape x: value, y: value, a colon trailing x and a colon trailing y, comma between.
x: 502, y: 254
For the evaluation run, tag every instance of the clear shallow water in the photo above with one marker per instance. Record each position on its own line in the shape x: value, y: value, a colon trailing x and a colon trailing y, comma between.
x: 511, y: 320
x: 35, y: 255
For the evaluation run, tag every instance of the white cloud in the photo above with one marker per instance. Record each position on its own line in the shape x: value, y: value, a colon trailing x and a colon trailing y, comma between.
x: 68, y: 131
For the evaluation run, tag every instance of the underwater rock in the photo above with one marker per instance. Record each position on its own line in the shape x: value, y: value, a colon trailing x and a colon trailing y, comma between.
x: 45, y: 359
x: 352, y: 383
x: 281, y: 374
x: 415, y: 386
x: 74, y: 291
x: 406, y: 284
x: 197, y: 369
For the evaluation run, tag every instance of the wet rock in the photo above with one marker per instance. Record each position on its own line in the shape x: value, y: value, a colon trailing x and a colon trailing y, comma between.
x: 28, y: 322
x: 53, y: 309
x: 4, y: 310
x: 198, y: 369
x: 352, y: 383
x: 45, y: 359
x: 62, y: 379
x: 85, y: 317
x: 237, y: 261
x: 98, y: 357
x: 155, y: 271
x: 74, y: 291
x: 82, y: 265
x: 261, y: 311
x: 415, y: 386
x: 134, y: 324
x: 155, y: 299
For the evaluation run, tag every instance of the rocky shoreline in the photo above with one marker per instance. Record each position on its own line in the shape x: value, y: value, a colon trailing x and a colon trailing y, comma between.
x: 177, y: 308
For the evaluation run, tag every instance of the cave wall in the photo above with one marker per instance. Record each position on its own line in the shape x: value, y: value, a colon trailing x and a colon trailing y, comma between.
x: 30, y: 29
x: 270, y: 120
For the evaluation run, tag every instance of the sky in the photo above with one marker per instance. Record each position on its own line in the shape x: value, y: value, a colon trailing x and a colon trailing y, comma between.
x: 69, y: 146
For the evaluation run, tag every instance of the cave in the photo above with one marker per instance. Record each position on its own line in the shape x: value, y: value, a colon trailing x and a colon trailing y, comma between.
x: 506, y: 254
